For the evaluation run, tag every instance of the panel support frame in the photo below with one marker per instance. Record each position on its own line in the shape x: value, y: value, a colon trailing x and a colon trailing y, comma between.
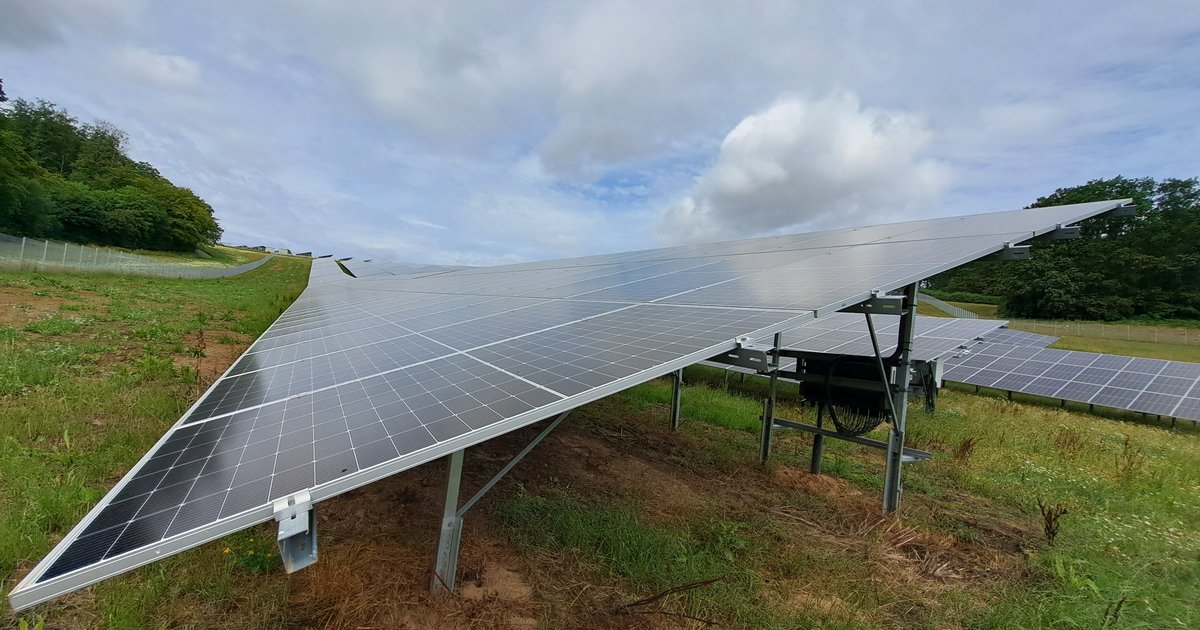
x: 898, y: 401
x: 676, y: 397
x: 768, y: 419
x: 446, y: 562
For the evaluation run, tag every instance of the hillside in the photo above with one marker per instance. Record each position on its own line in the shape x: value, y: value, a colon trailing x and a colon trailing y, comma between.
x: 65, y: 180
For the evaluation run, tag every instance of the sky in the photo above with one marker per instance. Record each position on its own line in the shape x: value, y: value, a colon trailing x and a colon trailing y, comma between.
x: 489, y: 132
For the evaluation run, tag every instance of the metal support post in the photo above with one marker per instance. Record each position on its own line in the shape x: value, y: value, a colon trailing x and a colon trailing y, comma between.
x: 676, y: 398
x: 447, y: 553
x: 768, y: 420
x: 818, y: 443
x: 452, y: 516
x: 899, y: 400
x: 21, y: 259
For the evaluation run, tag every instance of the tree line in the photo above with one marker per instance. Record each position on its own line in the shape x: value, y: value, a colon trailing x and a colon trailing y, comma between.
x: 62, y: 179
x: 1145, y: 266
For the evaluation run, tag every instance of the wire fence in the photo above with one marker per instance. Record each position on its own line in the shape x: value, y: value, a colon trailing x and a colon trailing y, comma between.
x: 20, y: 252
x: 1127, y: 332
x: 947, y: 307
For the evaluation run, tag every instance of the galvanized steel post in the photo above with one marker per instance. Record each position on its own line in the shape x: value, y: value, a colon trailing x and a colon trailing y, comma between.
x: 447, y: 555
x: 676, y: 398
x: 899, y: 393
x: 768, y: 420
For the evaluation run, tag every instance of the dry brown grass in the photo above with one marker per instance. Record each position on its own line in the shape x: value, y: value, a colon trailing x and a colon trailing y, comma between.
x: 1068, y: 442
x: 964, y: 450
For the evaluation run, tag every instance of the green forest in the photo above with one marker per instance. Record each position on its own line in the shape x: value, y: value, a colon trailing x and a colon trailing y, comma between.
x: 62, y: 179
x: 1138, y: 267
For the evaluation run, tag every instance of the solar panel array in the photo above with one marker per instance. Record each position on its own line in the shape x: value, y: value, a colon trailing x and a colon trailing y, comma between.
x: 362, y: 378
x: 1018, y: 338
x: 1153, y: 386
x: 846, y: 333
x: 365, y: 269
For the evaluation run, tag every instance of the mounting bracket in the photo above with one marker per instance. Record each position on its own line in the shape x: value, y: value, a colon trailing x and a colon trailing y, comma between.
x: 297, y: 537
x: 749, y: 355
x: 1064, y: 233
x: 1122, y: 211
x: 1011, y: 252
x: 878, y: 304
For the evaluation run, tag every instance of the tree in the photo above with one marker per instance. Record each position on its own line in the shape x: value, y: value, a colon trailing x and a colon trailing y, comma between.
x: 61, y: 179
x: 1146, y: 265
x: 24, y: 209
x: 50, y: 134
x: 101, y: 162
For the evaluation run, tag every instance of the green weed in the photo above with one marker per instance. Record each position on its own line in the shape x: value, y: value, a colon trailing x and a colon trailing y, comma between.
x: 55, y: 325
x: 253, y: 550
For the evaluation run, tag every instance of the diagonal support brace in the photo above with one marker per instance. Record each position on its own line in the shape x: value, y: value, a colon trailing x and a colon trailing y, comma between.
x: 446, y: 564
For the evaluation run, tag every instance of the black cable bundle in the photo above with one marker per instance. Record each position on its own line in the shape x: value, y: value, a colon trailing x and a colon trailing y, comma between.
x: 930, y: 387
x: 857, y: 423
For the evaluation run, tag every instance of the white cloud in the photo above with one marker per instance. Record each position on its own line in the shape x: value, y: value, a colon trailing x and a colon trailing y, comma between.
x: 160, y: 70
x: 810, y: 162
x: 28, y: 24
x: 530, y: 130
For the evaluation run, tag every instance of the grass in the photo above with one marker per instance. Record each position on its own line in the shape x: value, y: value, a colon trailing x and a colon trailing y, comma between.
x: 654, y: 558
x: 1130, y: 534
x: 83, y: 395
x: 216, y: 256
x: 1127, y: 553
x: 1149, y: 349
x: 926, y: 309
x: 1169, y: 340
x: 986, y: 311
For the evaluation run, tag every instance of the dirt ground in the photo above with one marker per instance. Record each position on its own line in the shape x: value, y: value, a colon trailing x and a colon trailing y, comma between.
x: 378, y: 542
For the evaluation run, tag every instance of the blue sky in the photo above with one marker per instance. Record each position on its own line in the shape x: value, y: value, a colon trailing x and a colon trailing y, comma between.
x: 483, y: 132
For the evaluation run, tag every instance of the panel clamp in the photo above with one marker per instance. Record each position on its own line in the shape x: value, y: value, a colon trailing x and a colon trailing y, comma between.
x: 878, y: 304
x: 1127, y: 210
x: 1063, y: 233
x: 297, y: 537
x: 749, y: 355
x: 1011, y: 252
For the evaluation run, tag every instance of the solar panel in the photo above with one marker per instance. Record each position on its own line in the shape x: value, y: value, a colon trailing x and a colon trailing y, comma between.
x: 846, y: 333
x: 1165, y: 388
x: 365, y: 377
x: 369, y: 268
x: 1019, y: 338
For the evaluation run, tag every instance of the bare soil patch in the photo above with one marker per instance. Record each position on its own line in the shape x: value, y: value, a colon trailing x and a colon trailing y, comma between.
x: 19, y: 307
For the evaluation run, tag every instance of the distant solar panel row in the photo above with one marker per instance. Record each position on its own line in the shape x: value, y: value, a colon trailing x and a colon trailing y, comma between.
x: 362, y: 269
x: 846, y: 333
x: 1153, y: 386
x: 1018, y: 338
x: 364, y: 377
